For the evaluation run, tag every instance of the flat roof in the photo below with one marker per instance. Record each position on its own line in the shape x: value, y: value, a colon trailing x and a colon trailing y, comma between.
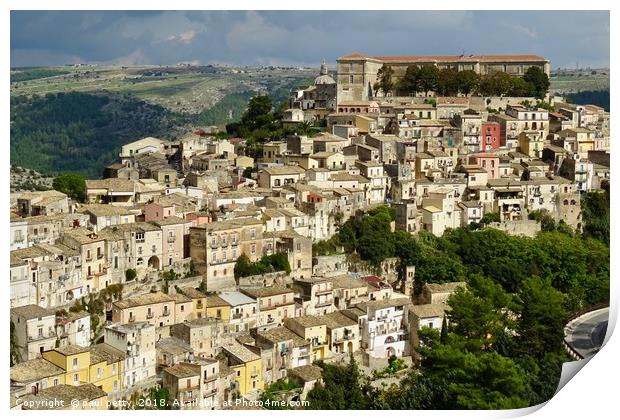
x: 236, y: 298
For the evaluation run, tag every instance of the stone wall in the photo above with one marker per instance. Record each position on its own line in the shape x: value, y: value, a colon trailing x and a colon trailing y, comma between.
x: 265, y: 280
x: 193, y: 282
x: 479, y: 103
x: 518, y: 227
x: 330, y: 265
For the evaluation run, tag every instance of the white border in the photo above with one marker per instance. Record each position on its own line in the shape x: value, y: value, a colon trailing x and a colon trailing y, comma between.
x: 590, y: 395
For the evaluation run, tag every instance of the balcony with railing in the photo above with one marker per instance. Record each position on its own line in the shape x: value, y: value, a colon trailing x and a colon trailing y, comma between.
x: 172, y: 239
x: 41, y: 336
x: 210, y: 392
x: 149, y: 315
x: 166, y: 312
x: 343, y: 338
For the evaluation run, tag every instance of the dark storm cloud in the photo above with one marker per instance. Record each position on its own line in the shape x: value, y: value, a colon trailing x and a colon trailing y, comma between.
x: 301, y: 37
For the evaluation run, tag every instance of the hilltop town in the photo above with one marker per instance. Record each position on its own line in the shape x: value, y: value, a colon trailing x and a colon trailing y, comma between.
x: 218, y: 265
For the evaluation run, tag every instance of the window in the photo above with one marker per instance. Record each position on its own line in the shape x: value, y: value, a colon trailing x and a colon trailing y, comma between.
x: 76, y: 379
x: 351, y: 79
x: 75, y: 362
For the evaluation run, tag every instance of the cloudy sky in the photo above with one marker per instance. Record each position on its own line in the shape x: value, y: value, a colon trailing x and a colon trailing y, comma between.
x: 301, y: 37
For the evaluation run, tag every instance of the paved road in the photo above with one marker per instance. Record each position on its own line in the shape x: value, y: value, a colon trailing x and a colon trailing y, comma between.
x: 587, y: 333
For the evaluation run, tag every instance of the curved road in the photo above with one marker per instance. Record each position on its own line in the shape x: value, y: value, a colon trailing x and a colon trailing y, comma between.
x: 587, y: 333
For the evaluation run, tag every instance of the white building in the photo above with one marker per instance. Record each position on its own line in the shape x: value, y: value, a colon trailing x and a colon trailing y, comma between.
x: 137, y: 340
x: 385, y: 331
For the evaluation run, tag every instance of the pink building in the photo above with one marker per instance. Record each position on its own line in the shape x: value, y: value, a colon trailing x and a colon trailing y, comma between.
x: 174, y: 246
x: 491, y: 136
x: 197, y: 219
x: 155, y: 211
x: 488, y: 162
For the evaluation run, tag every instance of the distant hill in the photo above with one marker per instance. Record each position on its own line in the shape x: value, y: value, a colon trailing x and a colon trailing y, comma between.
x: 81, y: 132
x: 591, y: 97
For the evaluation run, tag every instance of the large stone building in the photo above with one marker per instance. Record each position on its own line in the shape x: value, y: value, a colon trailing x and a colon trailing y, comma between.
x: 357, y: 73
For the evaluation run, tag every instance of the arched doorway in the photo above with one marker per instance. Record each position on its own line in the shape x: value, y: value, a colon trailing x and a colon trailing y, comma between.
x: 390, y: 352
x: 350, y: 347
x: 154, y: 262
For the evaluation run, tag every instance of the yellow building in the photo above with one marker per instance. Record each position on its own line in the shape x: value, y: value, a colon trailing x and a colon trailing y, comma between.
x: 314, y: 330
x: 248, y: 367
x: 106, y: 365
x: 216, y: 307
x: 74, y: 360
x: 198, y: 300
x: 531, y: 143
x: 100, y: 365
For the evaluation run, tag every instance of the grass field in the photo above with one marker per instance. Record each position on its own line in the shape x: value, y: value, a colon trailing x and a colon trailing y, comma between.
x: 571, y: 84
x: 188, y: 90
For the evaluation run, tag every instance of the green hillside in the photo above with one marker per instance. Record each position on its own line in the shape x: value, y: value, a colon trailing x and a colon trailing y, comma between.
x: 81, y: 132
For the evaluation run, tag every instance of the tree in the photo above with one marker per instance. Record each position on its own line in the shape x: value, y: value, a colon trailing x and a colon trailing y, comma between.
x: 501, y: 83
x: 520, y: 87
x: 543, y: 315
x: 447, y: 82
x: 258, y: 108
x: 539, y: 80
x: 409, y: 84
x: 428, y: 76
x: 130, y: 274
x: 547, y: 222
x: 596, y: 211
x: 473, y: 380
x: 74, y: 185
x: 468, y: 81
x: 384, y: 82
x: 489, y: 218
x: 342, y: 388
x: 479, y: 314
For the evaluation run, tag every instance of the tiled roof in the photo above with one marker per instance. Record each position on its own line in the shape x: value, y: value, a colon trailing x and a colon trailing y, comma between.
x: 34, y: 370
x: 240, y: 352
x: 145, y: 299
x: 429, y: 310
x: 32, y: 311
x: 65, y: 394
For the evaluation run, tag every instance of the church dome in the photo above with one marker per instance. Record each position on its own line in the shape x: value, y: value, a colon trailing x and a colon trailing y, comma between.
x: 324, y: 78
